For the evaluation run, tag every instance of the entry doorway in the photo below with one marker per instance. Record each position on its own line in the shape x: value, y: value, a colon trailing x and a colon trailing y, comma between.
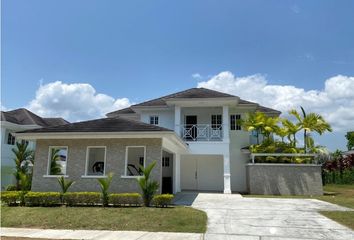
x: 167, y: 172
x: 191, y: 122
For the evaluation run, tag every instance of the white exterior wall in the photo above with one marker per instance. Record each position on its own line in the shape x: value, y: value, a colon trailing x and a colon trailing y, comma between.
x: 166, y: 118
x: 203, y: 113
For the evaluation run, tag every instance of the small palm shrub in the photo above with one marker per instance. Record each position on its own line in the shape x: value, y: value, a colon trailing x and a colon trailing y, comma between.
x: 148, y: 187
x: 82, y: 198
x: 64, y: 185
x: 124, y: 199
x: 162, y: 200
x: 104, y: 185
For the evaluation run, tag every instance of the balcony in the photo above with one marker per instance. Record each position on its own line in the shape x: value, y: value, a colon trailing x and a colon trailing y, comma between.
x: 201, y: 132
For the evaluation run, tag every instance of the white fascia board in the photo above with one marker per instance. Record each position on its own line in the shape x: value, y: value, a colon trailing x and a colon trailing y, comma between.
x: 102, y: 135
x: 140, y: 109
x: 174, y: 145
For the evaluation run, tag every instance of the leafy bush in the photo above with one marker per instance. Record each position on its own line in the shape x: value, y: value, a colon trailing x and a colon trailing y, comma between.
x: 43, y: 199
x: 340, y: 170
x: 10, y: 198
x: 82, y: 198
x: 162, y: 200
x: 11, y: 188
x: 122, y: 199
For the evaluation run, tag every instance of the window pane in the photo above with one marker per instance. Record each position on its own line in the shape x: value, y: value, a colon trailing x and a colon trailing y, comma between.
x: 232, y: 122
x: 95, y: 161
x: 58, y: 161
x: 136, y: 157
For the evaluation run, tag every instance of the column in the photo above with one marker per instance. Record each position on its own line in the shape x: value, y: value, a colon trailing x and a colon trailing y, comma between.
x: 226, y: 139
x: 176, y: 172
x: 225, y: 123
x: 178, y: 120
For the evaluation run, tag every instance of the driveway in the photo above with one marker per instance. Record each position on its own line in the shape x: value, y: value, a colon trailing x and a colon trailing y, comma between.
x: 235, y: 217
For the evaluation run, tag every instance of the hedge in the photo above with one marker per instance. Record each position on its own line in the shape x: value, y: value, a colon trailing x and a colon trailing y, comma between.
x: 44, y: 199
x: 122, y: 199
x: 11, y: 198
x: 82, y: 198
x: 162, y: 200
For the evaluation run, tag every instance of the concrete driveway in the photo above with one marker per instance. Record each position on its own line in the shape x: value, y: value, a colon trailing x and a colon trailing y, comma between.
x: 235, y: 217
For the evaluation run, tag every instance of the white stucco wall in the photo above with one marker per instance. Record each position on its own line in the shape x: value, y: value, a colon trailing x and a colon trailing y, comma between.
x: 166, y: 118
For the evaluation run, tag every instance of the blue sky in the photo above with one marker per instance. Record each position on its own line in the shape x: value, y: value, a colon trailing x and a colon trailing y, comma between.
x: 144, y: 49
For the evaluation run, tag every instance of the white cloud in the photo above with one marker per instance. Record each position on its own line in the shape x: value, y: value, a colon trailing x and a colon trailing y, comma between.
x: 74, y: 102
x: 196, y: 76
x: 335, y: 102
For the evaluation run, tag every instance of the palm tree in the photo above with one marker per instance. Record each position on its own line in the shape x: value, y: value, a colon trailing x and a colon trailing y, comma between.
x: 291, y: 130
x: 311, y: 122
x: 64, y: 185
x: 148, y: 187
x: 55, y: 168
x: 104, y: 185
x: 23, y: 157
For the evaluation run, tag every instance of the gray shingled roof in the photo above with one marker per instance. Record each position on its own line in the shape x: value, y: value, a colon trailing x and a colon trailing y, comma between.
x: 23, y: 116
x: 102, y: 125
x: 189, y: 93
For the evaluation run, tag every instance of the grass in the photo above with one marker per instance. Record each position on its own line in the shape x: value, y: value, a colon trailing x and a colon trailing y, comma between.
x: 342, y: 195
x: 173, y: 219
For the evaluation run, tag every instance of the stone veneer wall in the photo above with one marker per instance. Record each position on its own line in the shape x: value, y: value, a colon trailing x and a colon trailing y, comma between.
x: 115, y: 162
x: 284, y: 179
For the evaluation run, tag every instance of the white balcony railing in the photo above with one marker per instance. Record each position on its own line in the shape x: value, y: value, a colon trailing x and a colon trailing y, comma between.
x: 202, y: 132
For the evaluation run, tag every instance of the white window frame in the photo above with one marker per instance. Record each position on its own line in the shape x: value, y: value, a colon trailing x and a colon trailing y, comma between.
x: 48, y: 175
x: 235, y: 121
x: 126, y: 160
x: 86, y: 162
x: 155, y: 119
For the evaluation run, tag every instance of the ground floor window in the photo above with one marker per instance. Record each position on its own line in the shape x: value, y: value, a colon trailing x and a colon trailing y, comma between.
x: 57, y: 162
x: 11, y: 139
x: 96, y: 161
x: 165, y: 162
x: 135, y: 157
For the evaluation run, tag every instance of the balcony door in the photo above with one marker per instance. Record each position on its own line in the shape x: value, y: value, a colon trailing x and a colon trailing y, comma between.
x: 191, y: 128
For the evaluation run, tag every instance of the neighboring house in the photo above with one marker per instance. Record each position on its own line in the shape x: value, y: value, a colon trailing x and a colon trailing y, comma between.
x: 193, y: 135
x: 13, y: 121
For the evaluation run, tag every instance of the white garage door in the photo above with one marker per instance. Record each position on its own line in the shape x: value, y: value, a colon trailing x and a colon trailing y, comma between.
x: 202, y: 173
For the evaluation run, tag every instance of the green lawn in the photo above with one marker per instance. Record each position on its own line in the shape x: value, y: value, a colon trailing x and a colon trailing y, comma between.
x: 173, y: 219
x: 342, y: 195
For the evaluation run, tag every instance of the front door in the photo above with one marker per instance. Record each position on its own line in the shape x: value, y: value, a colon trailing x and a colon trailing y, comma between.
x: 191, y: 127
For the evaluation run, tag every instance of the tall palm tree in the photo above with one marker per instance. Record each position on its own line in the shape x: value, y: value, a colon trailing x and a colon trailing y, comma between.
x: 291, y: 130
x: 23, y: 156
x: 311, y: 122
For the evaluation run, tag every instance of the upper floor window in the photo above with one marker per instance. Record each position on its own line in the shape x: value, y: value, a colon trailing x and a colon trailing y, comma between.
x: 235, y: 122
x: 11, y: 139
x: 216, y: 121
x: 154, y: 120
x: 165, y: 161
x: 95, y: 161
x: 57, y: 161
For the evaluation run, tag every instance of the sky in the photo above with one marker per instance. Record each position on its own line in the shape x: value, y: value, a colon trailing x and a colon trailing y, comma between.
x: 81, y: 59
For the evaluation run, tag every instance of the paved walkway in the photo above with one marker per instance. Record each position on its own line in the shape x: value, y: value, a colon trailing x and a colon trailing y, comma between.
x: 235, y: 217
x: 96, y: 234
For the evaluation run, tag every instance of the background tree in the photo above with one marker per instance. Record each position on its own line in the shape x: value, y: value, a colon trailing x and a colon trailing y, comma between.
x: 23, y: 157
x: 350, y: 138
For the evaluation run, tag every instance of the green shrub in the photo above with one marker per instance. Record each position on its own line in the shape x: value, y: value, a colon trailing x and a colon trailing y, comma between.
x: 11, y: 188
x: 82, y: 198
x: 162, y: 200
x: 43, y: 199
x: 122, y: 199
x: 10, y: 198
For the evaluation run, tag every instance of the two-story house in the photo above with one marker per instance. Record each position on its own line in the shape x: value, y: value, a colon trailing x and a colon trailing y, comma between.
x: 13, y: 121
x: 194, y: 136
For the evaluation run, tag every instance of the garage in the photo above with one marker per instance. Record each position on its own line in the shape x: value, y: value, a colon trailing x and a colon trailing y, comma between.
x: 202, y: 173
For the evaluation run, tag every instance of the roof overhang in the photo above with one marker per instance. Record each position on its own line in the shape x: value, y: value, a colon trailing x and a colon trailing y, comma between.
x: 167, y: 137
x: 18, y: 127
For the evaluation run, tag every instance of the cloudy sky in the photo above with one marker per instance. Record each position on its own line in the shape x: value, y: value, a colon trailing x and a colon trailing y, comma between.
x: 82, y: 59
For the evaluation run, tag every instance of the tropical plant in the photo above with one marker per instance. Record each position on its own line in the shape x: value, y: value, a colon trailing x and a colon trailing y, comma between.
x: 291, y: 130
x: 311, y: 122
x: 55, y: 168
x: 104, y: 185
x: 64, y: 185
x: 23, y: 157
x: 25, y: 183
x: 148, y: 186
x: 350, y: 138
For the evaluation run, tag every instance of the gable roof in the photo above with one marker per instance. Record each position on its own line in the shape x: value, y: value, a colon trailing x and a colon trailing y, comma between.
x: 189, y: 93
x: 117, y: 124
x: 23, y: 116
